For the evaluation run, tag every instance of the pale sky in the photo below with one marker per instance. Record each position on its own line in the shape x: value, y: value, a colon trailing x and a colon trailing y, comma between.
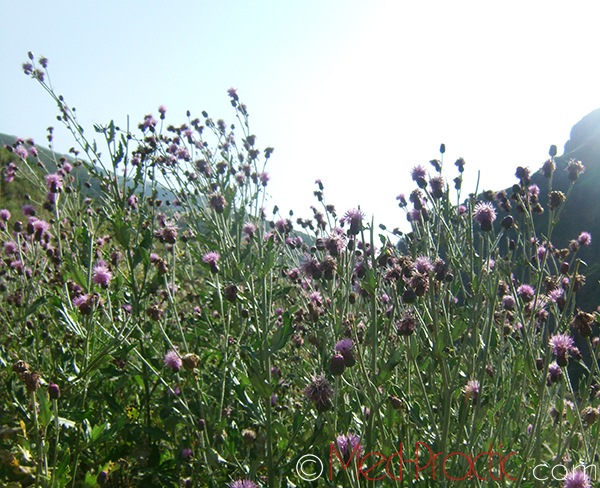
x: 353, y: 92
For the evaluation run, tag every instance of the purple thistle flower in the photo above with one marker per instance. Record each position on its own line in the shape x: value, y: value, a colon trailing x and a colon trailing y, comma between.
x: 54, y: 183
x: 316, y: 298
x: 149, y: 123
x: 526, y: 292
x: 83, y: 303
x: 574, y: 169
x: 173, y: 361
x: 132, y: 201
x: 484, y: 214
x: 10, y: 248
x: 336, y: 242
x: 28, y: 210
x: 423, y: 265
x: 557, y: 295
x: 562, y: 344
x: 4, y: 215
x: 232, y: 92
x: 264, y: 178
x: 21, y: 151
x: 414, y: 215
x: 509, y: 302
x: 418, y: 173
x: 354, y: 217
x: 347, y: 444
x: 186, y: 453
x: 344, y: 346
x: 554, y: 373
x: 249, y: 229
x: 211, y: 258
x: 584, y: 239
x: 101, y: 275
x: 472, y: 390
x: 577, y: 479
x: 243, y: 484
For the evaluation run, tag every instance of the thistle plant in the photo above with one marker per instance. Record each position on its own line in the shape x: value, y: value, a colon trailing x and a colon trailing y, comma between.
x: 163, y: 328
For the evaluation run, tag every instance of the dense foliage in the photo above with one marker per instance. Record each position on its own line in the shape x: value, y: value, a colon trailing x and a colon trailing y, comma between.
x: 205, y: 341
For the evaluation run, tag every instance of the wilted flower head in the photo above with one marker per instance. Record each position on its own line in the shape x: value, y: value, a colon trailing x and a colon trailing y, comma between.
x: 556, y: 199
x: 320, y: 393
x: 484, y: 214
x: 548, y: 168
x: 310, y: 267
x: 523, y: 174
x: 577, y: 479
x: 406, y: 326
x: 173, y: 361
x: 437, y: 186
x: 217, y: 202
x: 574, y: 169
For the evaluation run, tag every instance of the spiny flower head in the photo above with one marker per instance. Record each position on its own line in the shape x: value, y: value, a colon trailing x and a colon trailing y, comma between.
x: 101, y: 275
x: 347, y: 444
x: 584, y: 239
x: 418, y: 173
x: 173, y: 361
x: 211, y: 258
x: 484, y: 214
x: 526, y: 292
x: 320, y: 393
x: 562, y: 344
x: 54, y: 183
x: 354, y: 217
x: 554, y: 373
x: 577, y: 479
x: 243, y: 484
x: 574, y: 169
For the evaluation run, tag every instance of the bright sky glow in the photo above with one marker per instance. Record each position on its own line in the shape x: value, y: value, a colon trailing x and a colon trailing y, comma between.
x: 352, y: 92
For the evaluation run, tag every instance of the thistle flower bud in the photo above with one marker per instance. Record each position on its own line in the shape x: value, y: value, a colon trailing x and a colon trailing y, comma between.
x: 395, y: 402
x: 190, y: 361
x: 337, y: 365
x: 102, y: 477
x: 589, y: 415
x: 32, y: 380
x: 53, y: 391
